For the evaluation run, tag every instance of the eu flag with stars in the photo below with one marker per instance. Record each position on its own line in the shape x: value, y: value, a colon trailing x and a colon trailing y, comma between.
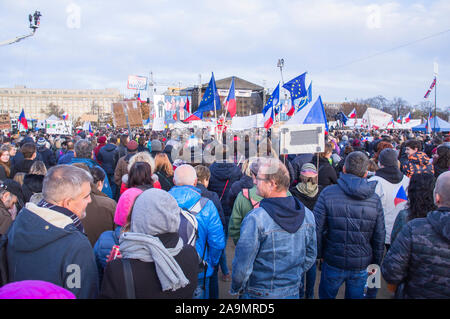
x: 211, y: 95
x: 296, y: 87
x: 273, y: 101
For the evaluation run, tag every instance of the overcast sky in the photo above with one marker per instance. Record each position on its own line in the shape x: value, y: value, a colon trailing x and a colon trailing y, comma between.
x: 178, y: 40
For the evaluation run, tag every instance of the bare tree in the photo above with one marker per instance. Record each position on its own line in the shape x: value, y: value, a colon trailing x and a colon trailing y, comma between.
x: 53, y: 109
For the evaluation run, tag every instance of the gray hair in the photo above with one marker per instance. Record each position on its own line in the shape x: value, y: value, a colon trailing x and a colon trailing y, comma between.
x: 142, y: 157
x: 443, y: 189
x: 64, y: 181
x: 185, y: 175
x: 83, y: 149
x: 356, y: 163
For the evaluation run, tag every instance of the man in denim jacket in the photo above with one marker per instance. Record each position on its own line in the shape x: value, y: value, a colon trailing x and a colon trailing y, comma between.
x: 278, y: 240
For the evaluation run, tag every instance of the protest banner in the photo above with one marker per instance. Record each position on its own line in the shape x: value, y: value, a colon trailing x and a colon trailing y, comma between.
x: 136, y: 82
x: 127, y: 110
x: 5, y: 122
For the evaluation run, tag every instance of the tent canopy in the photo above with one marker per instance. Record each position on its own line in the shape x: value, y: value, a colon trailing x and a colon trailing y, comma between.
x: 441, y: 126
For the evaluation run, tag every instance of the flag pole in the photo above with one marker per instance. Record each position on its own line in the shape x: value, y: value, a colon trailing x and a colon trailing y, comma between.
x: 435, y: 99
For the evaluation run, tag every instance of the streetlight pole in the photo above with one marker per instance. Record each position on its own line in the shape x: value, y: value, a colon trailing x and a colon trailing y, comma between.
x: 280, y: 65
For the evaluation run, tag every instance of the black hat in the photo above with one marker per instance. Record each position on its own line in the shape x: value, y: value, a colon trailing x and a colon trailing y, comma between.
x: 388, y: 157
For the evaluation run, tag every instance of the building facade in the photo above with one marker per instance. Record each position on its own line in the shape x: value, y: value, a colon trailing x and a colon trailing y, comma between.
x: 74, y: 102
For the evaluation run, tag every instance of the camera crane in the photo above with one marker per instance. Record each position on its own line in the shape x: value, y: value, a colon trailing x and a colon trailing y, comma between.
x: 33, y: 25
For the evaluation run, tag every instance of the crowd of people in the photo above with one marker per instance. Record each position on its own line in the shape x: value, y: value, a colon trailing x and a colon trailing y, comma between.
x: 119, y: 214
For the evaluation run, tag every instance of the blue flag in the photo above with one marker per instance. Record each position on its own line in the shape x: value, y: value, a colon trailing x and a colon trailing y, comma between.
x: 306, y: 99
x: 296, y: 87
x: 317, y: 114
x: 211, y: 95
x: 273, y: 100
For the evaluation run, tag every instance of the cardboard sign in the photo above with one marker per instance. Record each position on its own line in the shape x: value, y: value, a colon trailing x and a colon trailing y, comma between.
x: 123, y: 109
x: 5, y: 122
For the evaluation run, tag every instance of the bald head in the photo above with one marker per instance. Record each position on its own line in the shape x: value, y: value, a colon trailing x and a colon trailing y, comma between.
x: 185, y: 175
x: 442, y: 190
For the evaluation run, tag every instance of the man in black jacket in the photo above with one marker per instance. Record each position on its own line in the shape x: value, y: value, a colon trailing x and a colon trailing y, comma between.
x: 106, y: 157
x: 45, y: 154
x: 419, y: 258
x: 350, y: 230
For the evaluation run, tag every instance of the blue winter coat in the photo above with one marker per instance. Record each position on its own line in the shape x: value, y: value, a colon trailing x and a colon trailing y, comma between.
x: 48, y: 247
x: 210, y: 229
x: 66, y: 158
x: 350, y: 224
x: 103, y: 247
x: 220, y: 174
x: 90, y: 163
x: 420, y: 257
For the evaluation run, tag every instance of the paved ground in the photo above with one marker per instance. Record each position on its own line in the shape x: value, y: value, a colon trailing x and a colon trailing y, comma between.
x: 224, y: 287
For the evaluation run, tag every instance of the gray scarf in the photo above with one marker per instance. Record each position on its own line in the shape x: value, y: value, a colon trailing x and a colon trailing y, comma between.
x: 150, y: 249
x: 308, y: 189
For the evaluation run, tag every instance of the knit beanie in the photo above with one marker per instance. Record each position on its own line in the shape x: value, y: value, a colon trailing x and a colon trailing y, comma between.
x: 388, y: 157
x: 125, y: 204
x: 155, y: 212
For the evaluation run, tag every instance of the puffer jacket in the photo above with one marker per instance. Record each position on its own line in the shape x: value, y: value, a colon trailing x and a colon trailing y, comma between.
x: 418, y: 163
x: 350, y: 224
x: 420, y: 257
x: 223, y: 174
x: 210, y: 231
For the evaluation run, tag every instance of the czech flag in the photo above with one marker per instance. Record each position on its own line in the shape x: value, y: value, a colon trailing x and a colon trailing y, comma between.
x: 65, y: 116
x: 139, y: 97
x: 352, y: 114
x: 230, y: 102
x: 408, y: 117
x: 268, y: 118
x: 401, y: 196
x: 197, y: 116
x: 23, y: 120
x: 400, y: 120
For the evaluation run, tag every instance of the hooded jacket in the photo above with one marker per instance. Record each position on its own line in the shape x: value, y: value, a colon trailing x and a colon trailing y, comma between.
x: 350, y: 224
x: 276, y: 247
x: 221, y: 173
x: 210, y: 230
x: 245, y: 182
x: 389, y: 183
x: 418, y: 163
x: 45, y: 245
x: 420, y: 257
x: 105, y: 156
x: 66, y: 158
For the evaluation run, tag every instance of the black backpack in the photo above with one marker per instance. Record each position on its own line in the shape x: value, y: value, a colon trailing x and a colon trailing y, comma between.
x: 3, y: 261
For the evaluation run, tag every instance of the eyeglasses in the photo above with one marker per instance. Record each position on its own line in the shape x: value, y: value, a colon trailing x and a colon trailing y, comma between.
x: 261, y: 179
